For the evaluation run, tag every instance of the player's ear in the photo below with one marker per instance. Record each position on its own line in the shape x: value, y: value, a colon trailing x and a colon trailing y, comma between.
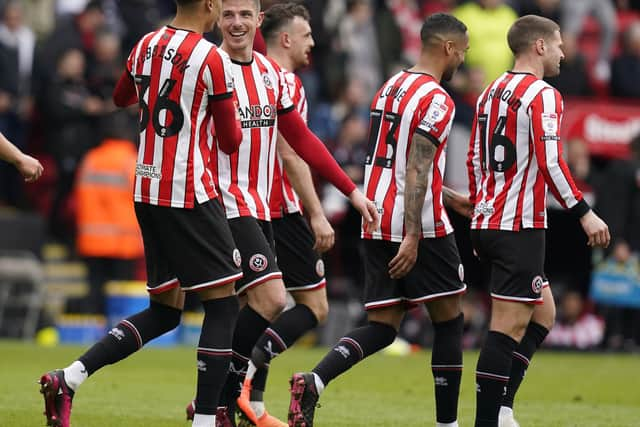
x: 285, y: 39
x: 449, y: 47
x: 260, y: 18
x: 540, y: 47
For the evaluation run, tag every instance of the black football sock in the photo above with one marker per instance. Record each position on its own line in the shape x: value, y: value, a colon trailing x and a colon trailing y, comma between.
x: 214, y: 351
x: 282, y: 333
x: 249, y: 326
x: 446, y: 366
x: 354, y: 347
x: 492, y: 376
x: 536, y: 333
x: 130, y: 335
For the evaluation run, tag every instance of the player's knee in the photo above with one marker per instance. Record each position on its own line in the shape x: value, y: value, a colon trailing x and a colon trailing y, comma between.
x: 320, y: 309
x: 272, y: 305
x: 167, y: 318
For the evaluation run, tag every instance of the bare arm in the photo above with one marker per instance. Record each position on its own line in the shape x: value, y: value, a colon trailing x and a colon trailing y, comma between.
x: 421, y: 155
x: 29, y: 168
x: 302, y: 182
x: 456, y: 201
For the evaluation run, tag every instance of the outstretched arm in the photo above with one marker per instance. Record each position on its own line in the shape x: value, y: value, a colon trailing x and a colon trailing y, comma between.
x: 421, y: 155
x: 313, y: 151
x: 29, y: 168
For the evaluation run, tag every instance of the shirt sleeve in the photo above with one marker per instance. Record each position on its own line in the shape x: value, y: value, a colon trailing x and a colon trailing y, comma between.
x: 285, y: 104
x: 217, y: 75
x: 435, y: 118
x: 545, y: 115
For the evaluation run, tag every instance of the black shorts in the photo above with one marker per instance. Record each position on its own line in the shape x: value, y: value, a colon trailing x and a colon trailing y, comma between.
x: 514, y: 261
x: 191, y: 248
x: 255, y: 241
x: 438, y: 272
x: 302, y: 268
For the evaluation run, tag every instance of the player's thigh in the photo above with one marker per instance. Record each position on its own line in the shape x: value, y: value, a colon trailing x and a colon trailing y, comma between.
x: 255, y: 242
x: 302, y: 267
x: 516, y: 260
x: 160, y: 275
x: 200, y: 245
x: 437, y: 279
x: 380, y: 290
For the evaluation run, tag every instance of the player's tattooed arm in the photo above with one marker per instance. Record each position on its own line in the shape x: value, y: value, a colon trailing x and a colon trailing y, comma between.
x: 456, y: 201
x: 421, y: 155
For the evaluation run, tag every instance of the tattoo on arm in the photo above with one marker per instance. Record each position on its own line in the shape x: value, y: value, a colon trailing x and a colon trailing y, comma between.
x: 421, y: 156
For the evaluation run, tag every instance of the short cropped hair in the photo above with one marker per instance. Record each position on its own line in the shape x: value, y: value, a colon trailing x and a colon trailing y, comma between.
x: 440, y: 24
x: 279, y: 15
x: 527, y: 29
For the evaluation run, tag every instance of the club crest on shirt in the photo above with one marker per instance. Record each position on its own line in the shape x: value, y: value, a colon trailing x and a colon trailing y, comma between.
x: 258, y: 262
x: 267, y: 81
x: 549, y: 123
x: 536, y: 284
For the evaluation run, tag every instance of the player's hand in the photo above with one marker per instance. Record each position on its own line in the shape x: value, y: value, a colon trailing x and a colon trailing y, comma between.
x: 322, y: 230
x: 596, y: 230
x: 367, y: 209
x: 406, y: 257
x: 29, y: 168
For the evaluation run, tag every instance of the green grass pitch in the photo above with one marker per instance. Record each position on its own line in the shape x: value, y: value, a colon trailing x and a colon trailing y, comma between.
x: 152, y: 388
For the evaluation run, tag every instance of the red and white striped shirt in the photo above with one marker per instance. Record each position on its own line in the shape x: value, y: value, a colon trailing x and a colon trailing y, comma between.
x: 407, y: 103
x: 515, y: 153
x: 177, y: 73
x: 245, y: 178
x: 284, y: 199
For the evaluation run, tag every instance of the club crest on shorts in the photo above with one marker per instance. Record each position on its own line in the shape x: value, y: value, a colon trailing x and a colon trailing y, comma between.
x: 237, y: 258
x: 258, y: 262
x: 536, y: 284
x: 320, y: 268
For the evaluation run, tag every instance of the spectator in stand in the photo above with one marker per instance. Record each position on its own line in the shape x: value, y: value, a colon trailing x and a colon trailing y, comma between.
x: 108, y: 237
x: 370, y: 41
x: 433, y: 6
x: 68, y: 110
x: 626, y: 67
x: 326, y: 120
x: 488, y: 22
x: 40, y: 16
x: 548, y: 8
x: 574, y: 78
x: 409, y: 19
x: 576, y: 326
x: 16, y: 58
x: 138, y: 24
x: 105, y: 67
x: 574, y: 13
x: 621, y: 208
x: 70, y: 32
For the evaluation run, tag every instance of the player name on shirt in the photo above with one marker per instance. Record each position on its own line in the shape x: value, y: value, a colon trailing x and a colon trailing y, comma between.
x: 172, y: 55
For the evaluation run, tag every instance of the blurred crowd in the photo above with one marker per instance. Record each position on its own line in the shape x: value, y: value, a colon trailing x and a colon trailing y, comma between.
x: 60, y: 60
